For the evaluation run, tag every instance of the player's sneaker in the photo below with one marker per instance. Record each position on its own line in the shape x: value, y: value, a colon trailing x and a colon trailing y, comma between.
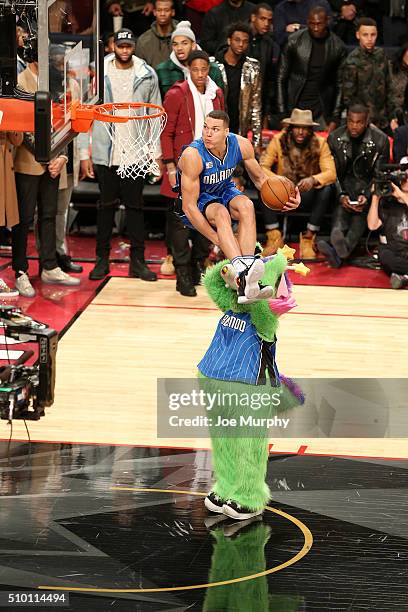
x: 214, y: 503
x: 248, y: 281
x: 249, y: 288
x: 265, y: 292
x: 234, y: 510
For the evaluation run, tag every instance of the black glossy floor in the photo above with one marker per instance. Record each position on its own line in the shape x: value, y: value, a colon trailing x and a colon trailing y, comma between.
x: 105, y: 517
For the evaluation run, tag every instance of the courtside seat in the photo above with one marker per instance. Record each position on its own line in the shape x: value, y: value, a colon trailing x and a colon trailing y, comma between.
x: 86, y: 194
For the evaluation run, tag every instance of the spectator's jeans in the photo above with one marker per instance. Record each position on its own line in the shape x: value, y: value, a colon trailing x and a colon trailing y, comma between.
x: 392, y: 261
x: 177, y: 238
x: 115, y: 190
x: 351, y: 224
x: 315, y: 201
x: 64, y: 198
x: 33, y: 190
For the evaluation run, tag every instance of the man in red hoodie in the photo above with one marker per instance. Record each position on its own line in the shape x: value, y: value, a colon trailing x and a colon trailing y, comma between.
x: 187, y: 103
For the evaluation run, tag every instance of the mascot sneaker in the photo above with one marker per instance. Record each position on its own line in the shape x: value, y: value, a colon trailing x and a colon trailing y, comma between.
x: 238, y: 512
x: 214, y: 503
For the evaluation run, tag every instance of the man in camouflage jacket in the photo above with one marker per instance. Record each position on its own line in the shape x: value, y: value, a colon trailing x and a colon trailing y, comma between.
x: 367, y: 76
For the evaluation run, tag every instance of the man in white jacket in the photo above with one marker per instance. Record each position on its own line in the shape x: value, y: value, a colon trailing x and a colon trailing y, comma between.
x: 127, y: 79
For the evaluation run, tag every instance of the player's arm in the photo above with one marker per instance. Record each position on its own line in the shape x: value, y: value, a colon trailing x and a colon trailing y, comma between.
x: 256, y: 173
x: 190, y: 166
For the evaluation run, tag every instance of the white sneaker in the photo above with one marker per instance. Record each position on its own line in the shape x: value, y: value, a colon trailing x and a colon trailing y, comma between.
x: 6, y: 292
x: 58, y: 277
x: 264, y: 294
x: 248, y: 282
x: 23, y: 285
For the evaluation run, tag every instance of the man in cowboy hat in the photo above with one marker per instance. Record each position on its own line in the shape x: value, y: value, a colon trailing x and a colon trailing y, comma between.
x: 304, y: 157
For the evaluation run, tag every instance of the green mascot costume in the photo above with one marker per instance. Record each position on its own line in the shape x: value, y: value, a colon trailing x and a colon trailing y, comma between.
x: 239, y: 369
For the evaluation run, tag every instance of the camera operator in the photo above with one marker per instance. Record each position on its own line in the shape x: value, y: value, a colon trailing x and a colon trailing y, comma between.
x: 358, y: 148
x: 390, y: 213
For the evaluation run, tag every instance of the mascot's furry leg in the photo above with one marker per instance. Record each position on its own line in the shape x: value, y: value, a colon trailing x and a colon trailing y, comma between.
x: 240, y: 466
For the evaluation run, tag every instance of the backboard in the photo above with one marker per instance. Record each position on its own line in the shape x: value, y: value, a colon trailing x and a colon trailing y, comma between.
x: 68, y: 64
x: 62, y: 40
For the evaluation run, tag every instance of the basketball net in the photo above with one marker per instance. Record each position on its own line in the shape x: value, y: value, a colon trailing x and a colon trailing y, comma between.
x: 135, y: 134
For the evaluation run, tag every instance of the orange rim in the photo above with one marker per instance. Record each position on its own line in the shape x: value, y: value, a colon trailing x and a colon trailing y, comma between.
x: 84, y: 114
x: 101, y: 113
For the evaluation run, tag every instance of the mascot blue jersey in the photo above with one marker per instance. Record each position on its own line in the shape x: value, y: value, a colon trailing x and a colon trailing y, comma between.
x: 238, y: 354
x: 216, y: 174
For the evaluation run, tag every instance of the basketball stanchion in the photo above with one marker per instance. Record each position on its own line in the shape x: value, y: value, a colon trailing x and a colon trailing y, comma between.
x: 134, y: 129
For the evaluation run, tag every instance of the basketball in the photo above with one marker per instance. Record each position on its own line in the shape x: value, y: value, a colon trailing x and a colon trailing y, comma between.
x: 276, y: 191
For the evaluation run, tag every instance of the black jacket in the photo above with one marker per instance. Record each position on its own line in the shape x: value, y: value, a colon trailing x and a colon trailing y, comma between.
x: 293, y: 69
x: 266, y: 51
x: 354, y: 176
x: 217, y: 21
x: 400, y: 146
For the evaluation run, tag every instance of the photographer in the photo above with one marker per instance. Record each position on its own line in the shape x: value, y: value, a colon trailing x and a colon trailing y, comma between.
x: 390, y: 213
x: 358, y: 149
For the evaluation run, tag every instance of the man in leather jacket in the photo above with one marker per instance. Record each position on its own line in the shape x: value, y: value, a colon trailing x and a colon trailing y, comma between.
x: 264, y: 48
x: 358, y: 149
x: 309, y: 75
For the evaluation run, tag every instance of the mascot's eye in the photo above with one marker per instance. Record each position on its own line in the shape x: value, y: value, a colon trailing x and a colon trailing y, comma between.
x: 224, y: 270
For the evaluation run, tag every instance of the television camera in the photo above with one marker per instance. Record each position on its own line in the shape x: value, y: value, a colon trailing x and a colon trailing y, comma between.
x: 388, y: 174
x: 25, y: 390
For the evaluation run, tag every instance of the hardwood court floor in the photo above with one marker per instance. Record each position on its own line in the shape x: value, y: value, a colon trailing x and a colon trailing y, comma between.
x: 134, y: 332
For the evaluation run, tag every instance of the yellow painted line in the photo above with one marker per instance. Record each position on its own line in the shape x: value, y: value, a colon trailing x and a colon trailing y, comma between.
x: 307, y: 545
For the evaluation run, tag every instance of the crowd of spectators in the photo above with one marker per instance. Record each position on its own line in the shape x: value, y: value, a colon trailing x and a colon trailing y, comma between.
x: 294, y: 67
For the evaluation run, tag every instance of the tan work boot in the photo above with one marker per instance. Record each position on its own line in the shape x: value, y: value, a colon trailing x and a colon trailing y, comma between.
x: 167, y: 267
x: 273, y: 243
x: 307, y: 246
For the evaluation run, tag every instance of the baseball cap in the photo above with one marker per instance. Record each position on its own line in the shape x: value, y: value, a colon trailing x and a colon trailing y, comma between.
x: 124, y: 36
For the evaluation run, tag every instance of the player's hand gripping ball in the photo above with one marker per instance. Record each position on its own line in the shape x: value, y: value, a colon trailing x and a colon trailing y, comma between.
x: 276, y: 191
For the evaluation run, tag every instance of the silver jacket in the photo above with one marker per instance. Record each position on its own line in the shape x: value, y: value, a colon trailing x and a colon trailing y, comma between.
x: 250, y: 99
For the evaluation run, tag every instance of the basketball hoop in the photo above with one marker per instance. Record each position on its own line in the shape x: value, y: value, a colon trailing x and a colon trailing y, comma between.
x: 134, y: 129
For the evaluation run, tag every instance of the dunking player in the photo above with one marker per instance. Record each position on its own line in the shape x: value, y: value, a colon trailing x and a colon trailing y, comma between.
x: 210, y: 199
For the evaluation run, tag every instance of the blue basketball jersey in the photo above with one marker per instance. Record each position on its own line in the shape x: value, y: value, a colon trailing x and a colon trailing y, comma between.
x: 216, y: 174
x: 236, y: 352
